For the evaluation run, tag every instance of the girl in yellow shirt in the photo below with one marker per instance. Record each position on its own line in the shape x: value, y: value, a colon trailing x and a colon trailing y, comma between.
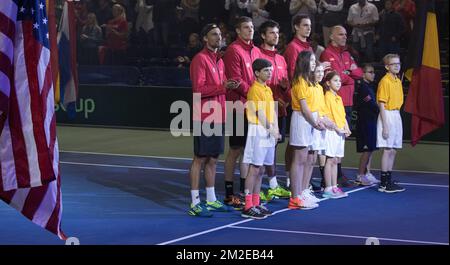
x: 303, y: 121
x: 335, y: 138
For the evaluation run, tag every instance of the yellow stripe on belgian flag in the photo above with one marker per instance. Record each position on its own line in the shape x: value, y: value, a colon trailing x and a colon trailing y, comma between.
x: 431, y: 54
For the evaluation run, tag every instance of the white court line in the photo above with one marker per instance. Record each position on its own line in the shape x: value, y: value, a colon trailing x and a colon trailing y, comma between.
x: 338, y: 235
x: 190, y: 158
x: 187, y: 170
x: 240, y: 222
x: 423, y: 185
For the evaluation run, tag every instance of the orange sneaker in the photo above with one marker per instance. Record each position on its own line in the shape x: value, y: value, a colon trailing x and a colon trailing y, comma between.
x: 294, y: 203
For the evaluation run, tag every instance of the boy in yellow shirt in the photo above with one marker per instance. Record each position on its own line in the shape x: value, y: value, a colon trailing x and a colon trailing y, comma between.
x: 389, y: 124
x: 262, y: 136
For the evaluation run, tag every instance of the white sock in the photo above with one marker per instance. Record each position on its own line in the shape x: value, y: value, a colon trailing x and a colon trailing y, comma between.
x: 195, y: 197
x: 328, y: 189
x: 273, y: 183
x: 247, y: 192
x: 210, y: 194
x: 288, y: 180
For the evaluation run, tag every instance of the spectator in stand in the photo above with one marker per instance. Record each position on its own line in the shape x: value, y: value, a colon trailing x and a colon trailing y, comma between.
x: 259, y: 14
x: 81, y: 14
x: 363, y: 17
x: 103, y: 12
x: 163, y: 15
x: 305, y: 7
x: 406, y: 8
x: 90, y: 38
x: 235, y: 9
x: 279, y: 11
x: 331, y: 16
x: 390, y: 30
x: 193, y: 47
x: 144, y: 23
x: 189, y: 18
x: 116, y: 36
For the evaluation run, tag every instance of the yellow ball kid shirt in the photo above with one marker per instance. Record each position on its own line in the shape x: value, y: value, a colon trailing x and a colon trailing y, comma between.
x: 390, y: 91
x: 260, y: 98
x: 320, y: 98
x: 301, y: 90
x: 335, y: 108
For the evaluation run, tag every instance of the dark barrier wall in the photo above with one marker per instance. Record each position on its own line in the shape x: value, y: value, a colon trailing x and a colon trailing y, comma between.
x: 150, y: 107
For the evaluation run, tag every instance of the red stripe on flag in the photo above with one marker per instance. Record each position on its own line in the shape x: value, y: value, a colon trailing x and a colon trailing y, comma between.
x: 33, y: 200
x: 7, y: 26
x: 425, y: 105
x: 33, y: 52
x: 18, y: 143
x: 46, y: 89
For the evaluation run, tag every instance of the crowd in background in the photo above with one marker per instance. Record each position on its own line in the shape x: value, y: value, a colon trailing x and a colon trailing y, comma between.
x: 113, y: 31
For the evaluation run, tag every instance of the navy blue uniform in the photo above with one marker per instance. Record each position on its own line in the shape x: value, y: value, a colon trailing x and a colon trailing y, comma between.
x: 366, y: 127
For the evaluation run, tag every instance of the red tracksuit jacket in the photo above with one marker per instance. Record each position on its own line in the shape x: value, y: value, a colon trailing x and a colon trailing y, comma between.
x: 279, y: 72
x: 341, y: 60
x: 207, y: 73
x: 238, y: 60
x: 294, y: 47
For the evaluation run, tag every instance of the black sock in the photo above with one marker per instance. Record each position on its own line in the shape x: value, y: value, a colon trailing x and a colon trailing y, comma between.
x: 384, y: 177
x: 228, y: 189
x: 389, y: 176
x: 339, y: 169
x: 242, y: 185
x: 321, y: 170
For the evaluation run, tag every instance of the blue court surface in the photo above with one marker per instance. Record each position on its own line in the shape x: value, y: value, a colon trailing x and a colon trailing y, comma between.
x: 122, y: 199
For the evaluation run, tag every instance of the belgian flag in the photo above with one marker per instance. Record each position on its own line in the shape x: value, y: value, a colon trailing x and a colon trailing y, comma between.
x: 425, y: 99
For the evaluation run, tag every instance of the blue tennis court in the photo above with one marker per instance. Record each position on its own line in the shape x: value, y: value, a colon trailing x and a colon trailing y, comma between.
x: 126, y: 199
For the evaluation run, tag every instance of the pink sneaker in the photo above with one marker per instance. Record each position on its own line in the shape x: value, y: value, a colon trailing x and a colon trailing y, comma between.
x: 338, y: 193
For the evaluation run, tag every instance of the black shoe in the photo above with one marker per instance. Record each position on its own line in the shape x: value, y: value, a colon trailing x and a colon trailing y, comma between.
x: 344, y: 182
x: 262, y: 209
x: 390, y: 187
x: 253, y: 213
x: 234, y: 202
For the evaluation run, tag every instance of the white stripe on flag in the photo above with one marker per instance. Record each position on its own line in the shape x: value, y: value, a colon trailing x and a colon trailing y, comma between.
x: 49, y: 115
x: 7, y: 161
x: 23, y: 98
x: 48, y: 203
x: 5, y: 84
x: 43, y: 60
x: 6, y: 46
x: 9, y: 8
x: 56, y: 159
x: 18, y: 200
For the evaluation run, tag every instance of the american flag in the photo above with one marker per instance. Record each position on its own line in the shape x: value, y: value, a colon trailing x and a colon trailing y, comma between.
x: 29, y: 157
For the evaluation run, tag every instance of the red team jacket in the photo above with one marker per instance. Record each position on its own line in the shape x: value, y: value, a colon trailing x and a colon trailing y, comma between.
x: 294, y: 47
x: 279, y: 72
x: 207, y: 73
x: 238, y: 59
x: 341, y: 60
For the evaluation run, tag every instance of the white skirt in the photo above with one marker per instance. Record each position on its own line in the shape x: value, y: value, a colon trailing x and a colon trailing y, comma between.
x: 318, y: 137
x: 394, y: 123
x: 334, y: 144
x: 301, y: 132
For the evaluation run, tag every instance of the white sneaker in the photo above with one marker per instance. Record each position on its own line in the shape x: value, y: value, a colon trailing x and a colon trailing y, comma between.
x: 372, y: 178
x: 307, y: 203
x: 309, y: 193
x: 363, y: 180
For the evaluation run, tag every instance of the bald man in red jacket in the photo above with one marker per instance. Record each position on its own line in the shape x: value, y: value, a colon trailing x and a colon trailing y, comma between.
x: 342, y: 62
